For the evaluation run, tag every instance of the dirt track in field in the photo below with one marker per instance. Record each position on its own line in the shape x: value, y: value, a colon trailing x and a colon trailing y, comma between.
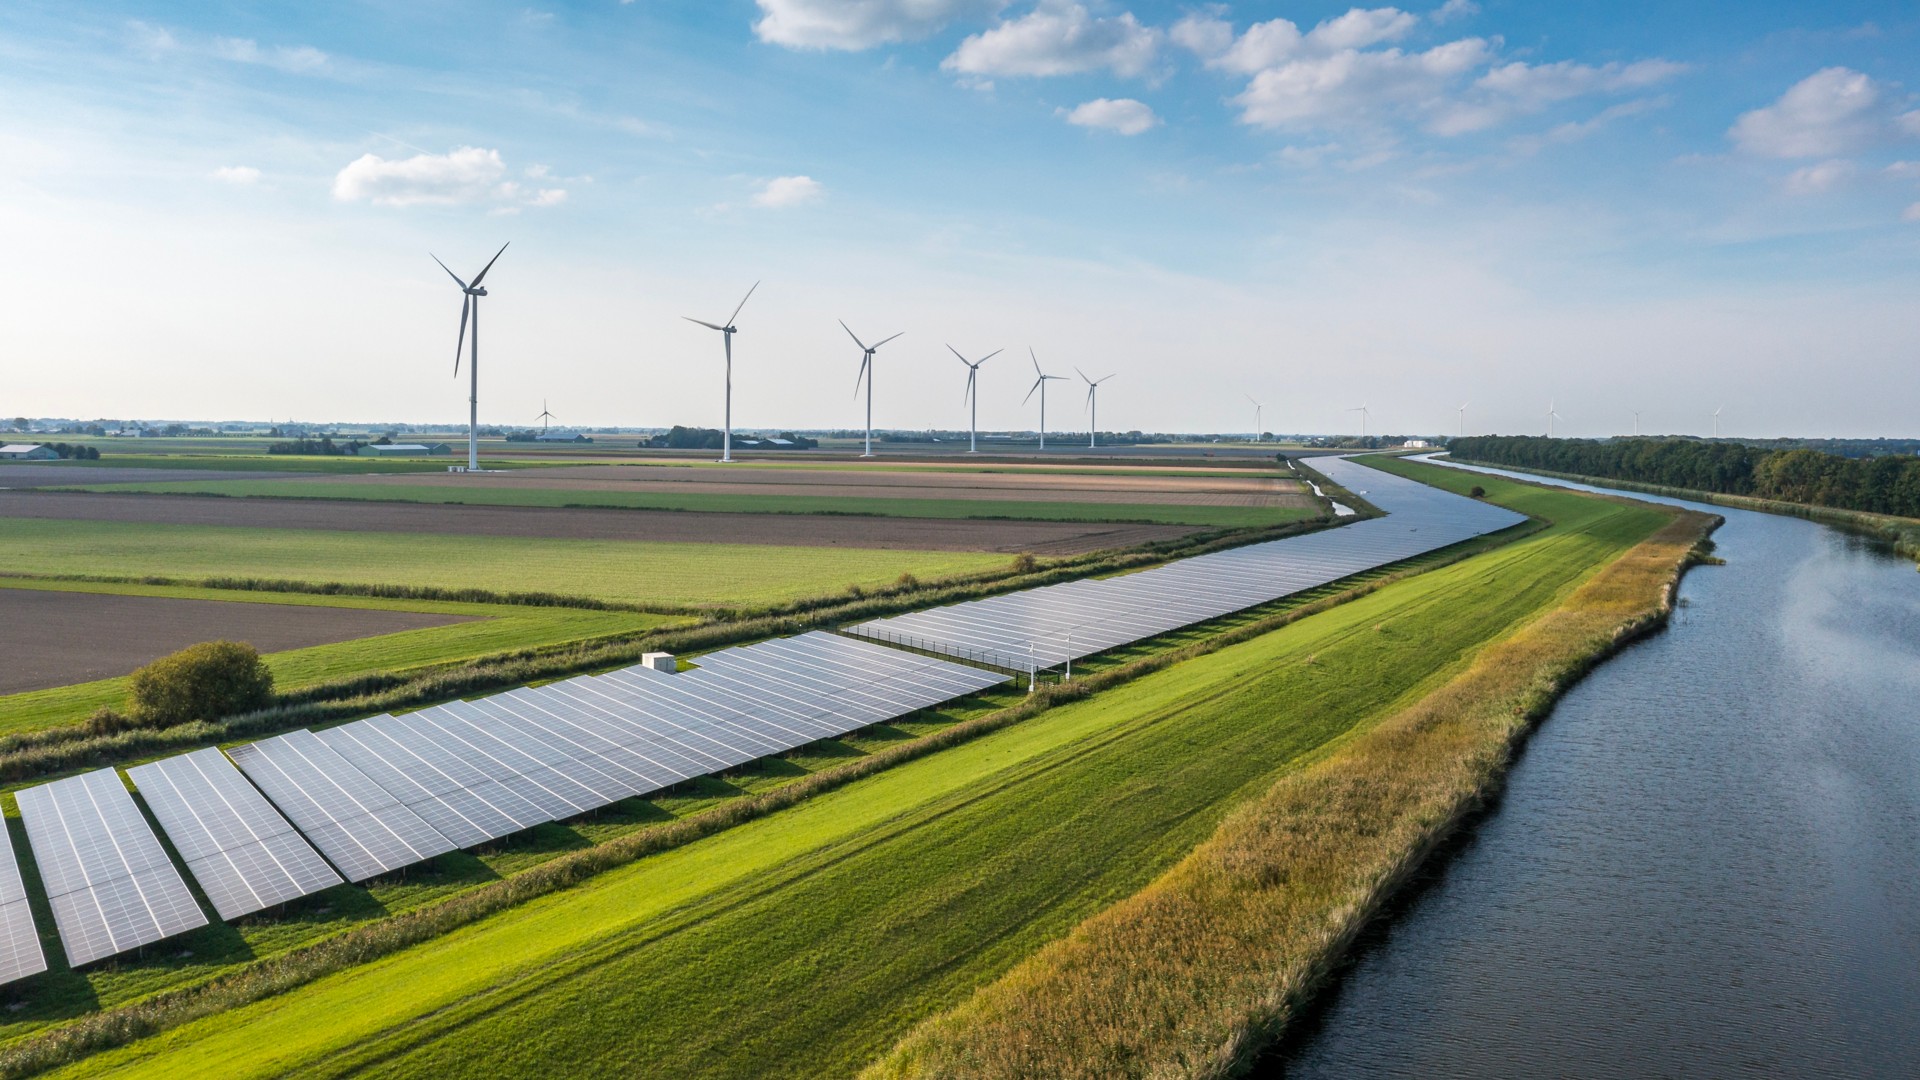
x: 54, y: 638
x: 804, y: 530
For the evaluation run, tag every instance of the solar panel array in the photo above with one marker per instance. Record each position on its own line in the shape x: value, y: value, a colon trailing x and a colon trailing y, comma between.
x: 20, y: 954
x: 111, y: 884
x: 1045, y: 627
x: 245, y: 856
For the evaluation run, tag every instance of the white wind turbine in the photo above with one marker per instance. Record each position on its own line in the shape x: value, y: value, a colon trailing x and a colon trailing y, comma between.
x: 866, y: 372
x: 972, y: 394
x: 1364, y: 414
x: 1551, y: 417
x: 1463, y: 418
x: 1093, y: 405
x: 544, y: 416
x: 1716, y: 423
x: 726, y: 333
x: 1040, y: 384
x: 470, y: 307
x: 1259, y: 425
x: 1636, y: 423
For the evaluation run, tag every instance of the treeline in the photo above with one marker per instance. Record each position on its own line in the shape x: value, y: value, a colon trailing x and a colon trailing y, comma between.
x: 321, y: 447
x: 1878, y: 485
x: 694, y: 438
x: 74, y: 451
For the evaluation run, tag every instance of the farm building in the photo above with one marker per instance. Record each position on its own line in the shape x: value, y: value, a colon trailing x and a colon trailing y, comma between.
x: 28, y: 452
x: 561, y: 436
x: 406, y: 450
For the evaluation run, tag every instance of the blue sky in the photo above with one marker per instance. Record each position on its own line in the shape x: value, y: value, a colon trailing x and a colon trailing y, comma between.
x: 219, y: 211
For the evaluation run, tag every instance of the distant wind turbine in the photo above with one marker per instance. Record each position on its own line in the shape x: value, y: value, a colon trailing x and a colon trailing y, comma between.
x: 1362, y: 410
x: 1259, y: 425
x: 1716, y: 423
x: 727, y: 331
x: 1636, y: 423
x: 470, y: 308
x: 1463, y: 418
x: 972, y: 394
x: 1551, y: 417
x: 866, y: 372
x: 544, y: 416
x: 1040, y: 384
x: 1093, y: 405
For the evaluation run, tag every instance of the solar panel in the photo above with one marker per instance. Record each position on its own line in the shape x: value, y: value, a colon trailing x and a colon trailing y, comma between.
x: 245, y: 856
x: 20, y: 954
x: 360, y: 828
x: 1045, y: 627
x: 423, y: 778
x: 110, y: 882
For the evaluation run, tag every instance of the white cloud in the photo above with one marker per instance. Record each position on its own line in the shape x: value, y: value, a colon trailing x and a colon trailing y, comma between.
x: 1515, y: 89
x: 1905, y: 170
x: 1352, y: 87
x: 1833, y: 111
x: 237, y: 175
x: 1123, y: 115
x: 1454, y: 9
x: 1058, y: 38
x: 1815, y: 179
x: 1277, y: 41
x: 1204, y: 33
x: 296, y: 59
x: 468, y: 175
x: 1911, y: 213
x: 784, y: 191
x: 861, y: 24
x: 1361, y: 27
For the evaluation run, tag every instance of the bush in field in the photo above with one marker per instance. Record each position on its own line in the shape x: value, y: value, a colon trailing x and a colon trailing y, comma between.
x: 1478, y: 492
x: 201, y: 682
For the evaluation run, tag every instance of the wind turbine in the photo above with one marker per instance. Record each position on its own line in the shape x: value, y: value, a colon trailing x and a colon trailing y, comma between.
x: 972, y: 394
x: 1093, y: 405
x: 1551, y: 417
x: 1362, y: 410
x: 1716, y: 423
x: 470, y: 308
x: 1463, y: 418
x: 727, y: 332
x: 866, y: 372
x: 544, y: 416
x: 1259, y: 426
x: 1040, y: 384
x: 1636, y: 423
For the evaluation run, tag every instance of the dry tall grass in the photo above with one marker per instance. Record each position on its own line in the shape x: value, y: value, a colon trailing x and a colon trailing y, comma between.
x: 1194, y: 974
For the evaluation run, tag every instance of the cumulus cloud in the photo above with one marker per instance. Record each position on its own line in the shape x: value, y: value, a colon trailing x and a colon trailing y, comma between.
x: 861, y: 24
x: 785, y: 191
x: 295, y: 59
x: 1123, y: 115
x: 1277, y: 41
x: 1058, y: 38
x: 1353, y: 87
x: 237, y: 175
x: 1833, y: 111
x: 468, y: 175
x: 1515, y: 89
x: 1455, y: 9
x: 1815, y: 179
x: 1911, y: 213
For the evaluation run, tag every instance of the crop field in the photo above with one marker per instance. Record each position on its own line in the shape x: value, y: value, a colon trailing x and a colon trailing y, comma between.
x: 466, y: 631
x: 668, y: 574
x: 806, y: 942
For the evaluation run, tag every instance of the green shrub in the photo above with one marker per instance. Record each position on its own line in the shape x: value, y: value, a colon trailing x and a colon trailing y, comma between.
x: 1478, y: 492
x: 106, y: 720
x: 201, y: 682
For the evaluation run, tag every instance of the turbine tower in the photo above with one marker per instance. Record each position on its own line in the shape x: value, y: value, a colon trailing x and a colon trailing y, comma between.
x: 1093, y: 406
x: 1463, y: 418
x: 972, y: 394
x: 1551, y: 417
x: 726, y: 335
x: 1364, y: 414
x: 1259, y: 426
x: 1716, y: 423
x: 1636, y: 423
x: 544, y: 416
x: 470, y: 308
x: 866, y: 372
x: 1040, y: 384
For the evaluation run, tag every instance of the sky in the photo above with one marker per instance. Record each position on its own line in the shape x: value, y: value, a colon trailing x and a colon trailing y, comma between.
x: 213, y: 211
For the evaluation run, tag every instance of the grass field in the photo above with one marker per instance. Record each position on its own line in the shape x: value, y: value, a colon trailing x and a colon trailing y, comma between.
x: 880, y: 505
x: 804, y: 943
x: 504, y: 627
x: 631, y: 572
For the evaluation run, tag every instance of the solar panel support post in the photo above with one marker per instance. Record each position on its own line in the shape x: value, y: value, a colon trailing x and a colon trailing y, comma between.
x: 1069, y: 674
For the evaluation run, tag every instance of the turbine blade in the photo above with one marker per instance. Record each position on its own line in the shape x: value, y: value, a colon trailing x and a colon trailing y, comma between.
x: 851, y: 334
x: 466, y: 304
x: 865, y: 359
x: 884, y: 340
x: 704, y: 323
x: 988, y: 357
x: 451, y: 274
x: 956, y: 352
x: 1082, y: 374
x: 1037, y: 383
x: 743, y: 303
x: 1036, y: 363
x: 489, y: 266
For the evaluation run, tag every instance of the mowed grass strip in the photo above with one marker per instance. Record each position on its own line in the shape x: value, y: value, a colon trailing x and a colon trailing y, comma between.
x: 1192, y: 976
x: 806, y: 942
x: 504, y: 628
x: 640, y: 572
x: 880, y: 504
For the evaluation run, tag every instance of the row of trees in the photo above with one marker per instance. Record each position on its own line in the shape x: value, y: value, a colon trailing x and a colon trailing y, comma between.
x: 1888, y: 484
x: 695, y: 438
x: 323, y: 446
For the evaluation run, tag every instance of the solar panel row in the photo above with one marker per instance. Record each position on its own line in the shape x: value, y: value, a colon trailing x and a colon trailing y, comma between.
x: 20, y: 954
x: 1045, y: 627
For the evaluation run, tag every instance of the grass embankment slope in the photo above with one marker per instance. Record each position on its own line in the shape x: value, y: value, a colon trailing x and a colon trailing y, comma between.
x: 499, y: 628
x: 804, y: 943
x: 640, y: 572
x: 1194, y: 974
x: 880, y: 504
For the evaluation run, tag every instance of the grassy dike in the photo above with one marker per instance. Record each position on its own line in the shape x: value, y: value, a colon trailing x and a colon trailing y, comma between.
x: 805, y: 941
x: 1194, y: 974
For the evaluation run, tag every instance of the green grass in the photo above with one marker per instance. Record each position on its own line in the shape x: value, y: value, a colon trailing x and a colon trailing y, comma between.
x: 804, y: 943
x: 617, y: 570
x: 879, y: 504
x: 250, y: 460
x: 502, y: 628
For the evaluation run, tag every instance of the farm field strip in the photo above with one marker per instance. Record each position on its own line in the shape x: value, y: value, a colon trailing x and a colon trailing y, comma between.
x: 761, y: 949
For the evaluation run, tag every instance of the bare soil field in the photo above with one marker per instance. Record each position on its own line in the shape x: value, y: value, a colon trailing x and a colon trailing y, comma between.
x: 54, y: 474
x: 1173, y: 490
x: 59, y: 638
x: 802, y: 530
